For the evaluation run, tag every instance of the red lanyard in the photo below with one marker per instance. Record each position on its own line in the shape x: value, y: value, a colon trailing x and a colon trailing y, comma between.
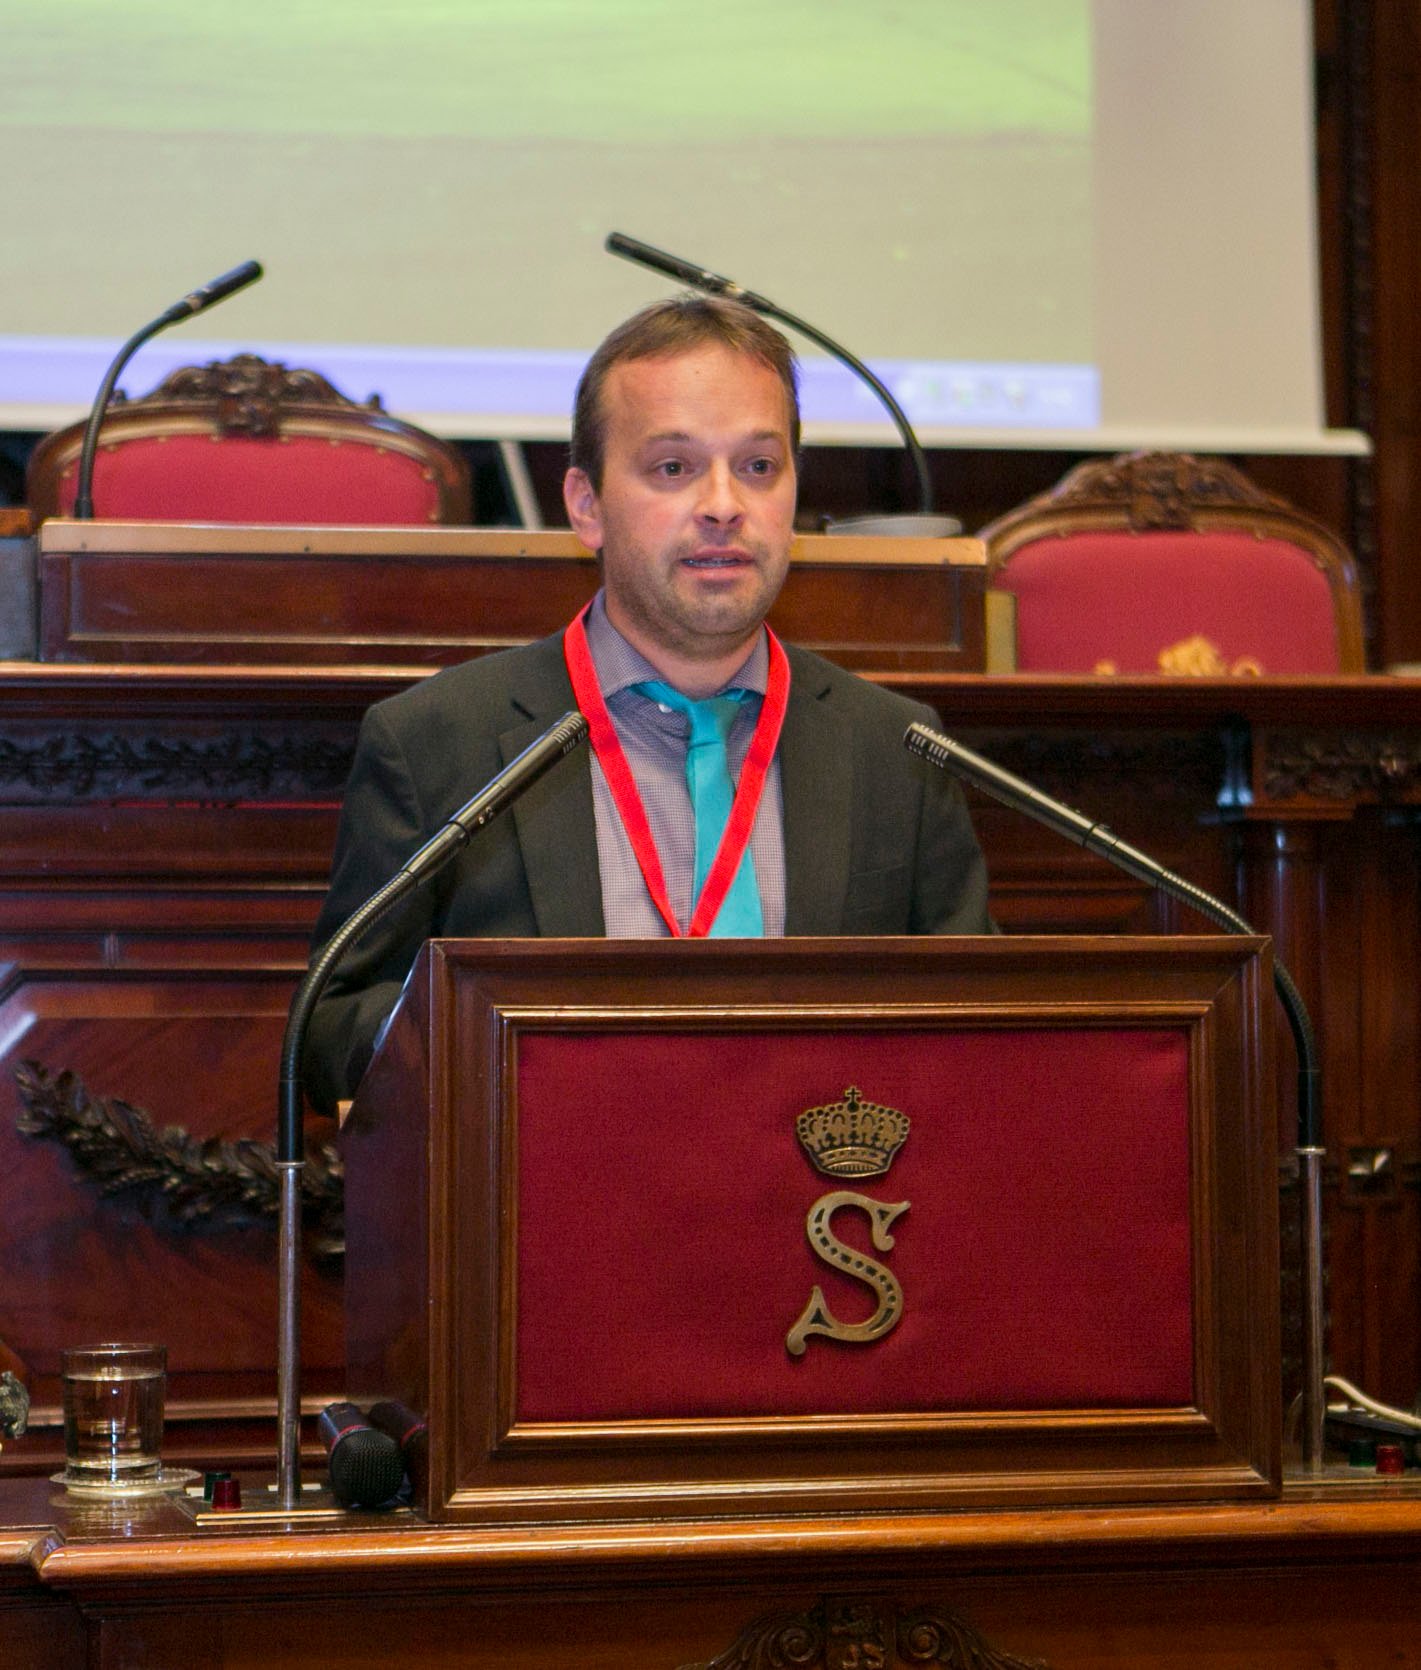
x: 626, y: 796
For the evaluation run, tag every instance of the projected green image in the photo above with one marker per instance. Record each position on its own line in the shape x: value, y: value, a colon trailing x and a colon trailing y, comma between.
x: 505, y: 69
x: 444, y: 171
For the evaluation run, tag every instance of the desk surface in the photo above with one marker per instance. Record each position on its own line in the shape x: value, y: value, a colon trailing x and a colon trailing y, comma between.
x: 998, y: 698
x: 1316, y: 1579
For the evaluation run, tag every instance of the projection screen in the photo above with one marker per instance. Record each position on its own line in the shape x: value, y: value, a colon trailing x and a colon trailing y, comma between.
x: 1044, y: 222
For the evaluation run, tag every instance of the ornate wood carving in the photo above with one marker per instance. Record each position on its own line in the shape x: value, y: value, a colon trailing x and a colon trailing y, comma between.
x: 862, y: 1634
x: 118, y: 1147
x: 1160, y: 489
x: 65, y: 766
x: 249, y: 392
x: 1359, y: 266
x: 927, y: 1636
x: 1164, y: 761
x: 1340, y: 765
x: 14, y: 1406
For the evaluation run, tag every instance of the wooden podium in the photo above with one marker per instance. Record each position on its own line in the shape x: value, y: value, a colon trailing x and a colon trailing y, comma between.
x: 593, y: 1186
x: 578, y: 1202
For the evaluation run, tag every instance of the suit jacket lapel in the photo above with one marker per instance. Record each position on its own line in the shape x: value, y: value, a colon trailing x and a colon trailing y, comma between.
x: 559, y: 852
x: 816, y: 779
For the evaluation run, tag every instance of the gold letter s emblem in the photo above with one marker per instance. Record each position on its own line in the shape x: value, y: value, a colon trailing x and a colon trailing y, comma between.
x: 816, y: 1317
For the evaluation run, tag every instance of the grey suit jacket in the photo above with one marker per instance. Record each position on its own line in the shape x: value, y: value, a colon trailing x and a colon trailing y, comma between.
x: 876, y: 841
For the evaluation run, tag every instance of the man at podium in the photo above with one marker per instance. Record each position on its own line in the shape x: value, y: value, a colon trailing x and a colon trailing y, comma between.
x: 735, y: 787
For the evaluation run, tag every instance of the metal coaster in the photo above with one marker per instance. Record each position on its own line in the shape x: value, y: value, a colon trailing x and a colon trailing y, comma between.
x: 166, y: 1479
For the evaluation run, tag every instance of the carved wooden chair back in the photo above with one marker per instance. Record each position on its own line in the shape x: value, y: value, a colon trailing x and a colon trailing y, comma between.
x: 1160, y: 562
x: 251, y: 440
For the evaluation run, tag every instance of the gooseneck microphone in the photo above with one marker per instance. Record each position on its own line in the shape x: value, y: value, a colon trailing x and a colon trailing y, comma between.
x: 700, y: 278
x: 685, y: 272
x: 215, y: 290
x: 194, y: 302
x: 1095, y: 837
x: 366, y: 1465
x: 1021, y: 796
x: 535, y: 760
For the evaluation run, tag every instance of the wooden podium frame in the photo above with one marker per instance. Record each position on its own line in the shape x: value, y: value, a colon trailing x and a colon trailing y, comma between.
x: 432, y: 1147
x: 221, y: 594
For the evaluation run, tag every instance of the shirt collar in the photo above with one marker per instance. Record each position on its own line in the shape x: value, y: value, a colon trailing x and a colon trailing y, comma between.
x: 619, y: 665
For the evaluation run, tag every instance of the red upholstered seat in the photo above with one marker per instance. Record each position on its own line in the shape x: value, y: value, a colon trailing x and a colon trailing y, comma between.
x: 246, y: 440
x: 1163, y: 563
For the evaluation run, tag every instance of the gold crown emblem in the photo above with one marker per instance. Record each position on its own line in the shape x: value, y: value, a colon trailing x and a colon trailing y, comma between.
x: 852, y: 1138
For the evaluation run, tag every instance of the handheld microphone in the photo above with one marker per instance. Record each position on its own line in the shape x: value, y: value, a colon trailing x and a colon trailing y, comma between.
x: 366, y: 1466
x: 194, y: 302
x: 410, y: 1433
x: 700, y: 278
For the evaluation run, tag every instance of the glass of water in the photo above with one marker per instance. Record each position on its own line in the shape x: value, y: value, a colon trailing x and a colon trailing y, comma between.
x: 113, y: 1413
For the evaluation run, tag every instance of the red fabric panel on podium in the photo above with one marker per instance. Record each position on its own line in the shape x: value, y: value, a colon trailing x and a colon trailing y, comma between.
x: 1123, y: 597
x: 662, y: 1197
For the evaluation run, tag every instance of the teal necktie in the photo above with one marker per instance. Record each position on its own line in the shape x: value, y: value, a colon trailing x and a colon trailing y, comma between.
x: 708, y: 779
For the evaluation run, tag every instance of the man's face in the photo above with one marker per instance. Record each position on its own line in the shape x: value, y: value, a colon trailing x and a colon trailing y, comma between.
x: 696, y: 509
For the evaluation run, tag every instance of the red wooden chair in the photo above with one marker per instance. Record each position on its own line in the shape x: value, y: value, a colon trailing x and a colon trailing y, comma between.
x: 1163, y: 563
x: 248, y: 440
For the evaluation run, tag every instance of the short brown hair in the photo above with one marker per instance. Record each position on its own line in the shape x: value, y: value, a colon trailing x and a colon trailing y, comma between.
x: 663, y: 330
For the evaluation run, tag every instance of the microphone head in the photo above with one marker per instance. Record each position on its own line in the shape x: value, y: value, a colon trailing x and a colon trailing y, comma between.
x: 245, y: 272
x: 918, y: 739
x: 367, y: 1469
x: 570, y: 730
x: 216, y: 290
x: 671, y: 266
x: 410, y: 1432
x: 227, y: 284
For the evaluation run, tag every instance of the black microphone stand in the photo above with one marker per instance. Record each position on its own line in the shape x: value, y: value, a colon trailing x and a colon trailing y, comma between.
x: 1022, y: 796
x: 926, y: 522
x: 194, y: 302
x: 535, y: 760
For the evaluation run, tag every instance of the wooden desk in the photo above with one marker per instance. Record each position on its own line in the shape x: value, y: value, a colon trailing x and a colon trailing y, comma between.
x: 214, y: 594
x: 1294, y: 1585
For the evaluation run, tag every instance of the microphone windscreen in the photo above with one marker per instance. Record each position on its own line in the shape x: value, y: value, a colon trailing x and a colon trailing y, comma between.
x: 408, y: 1431
x: 366, y: 1466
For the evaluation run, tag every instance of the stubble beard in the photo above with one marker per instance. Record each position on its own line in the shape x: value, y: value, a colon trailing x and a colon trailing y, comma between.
x: 701, y: 626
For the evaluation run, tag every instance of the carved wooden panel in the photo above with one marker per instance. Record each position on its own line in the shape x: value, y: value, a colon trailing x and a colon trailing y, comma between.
x: 853, y: 1633
x: 198, y: 1050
